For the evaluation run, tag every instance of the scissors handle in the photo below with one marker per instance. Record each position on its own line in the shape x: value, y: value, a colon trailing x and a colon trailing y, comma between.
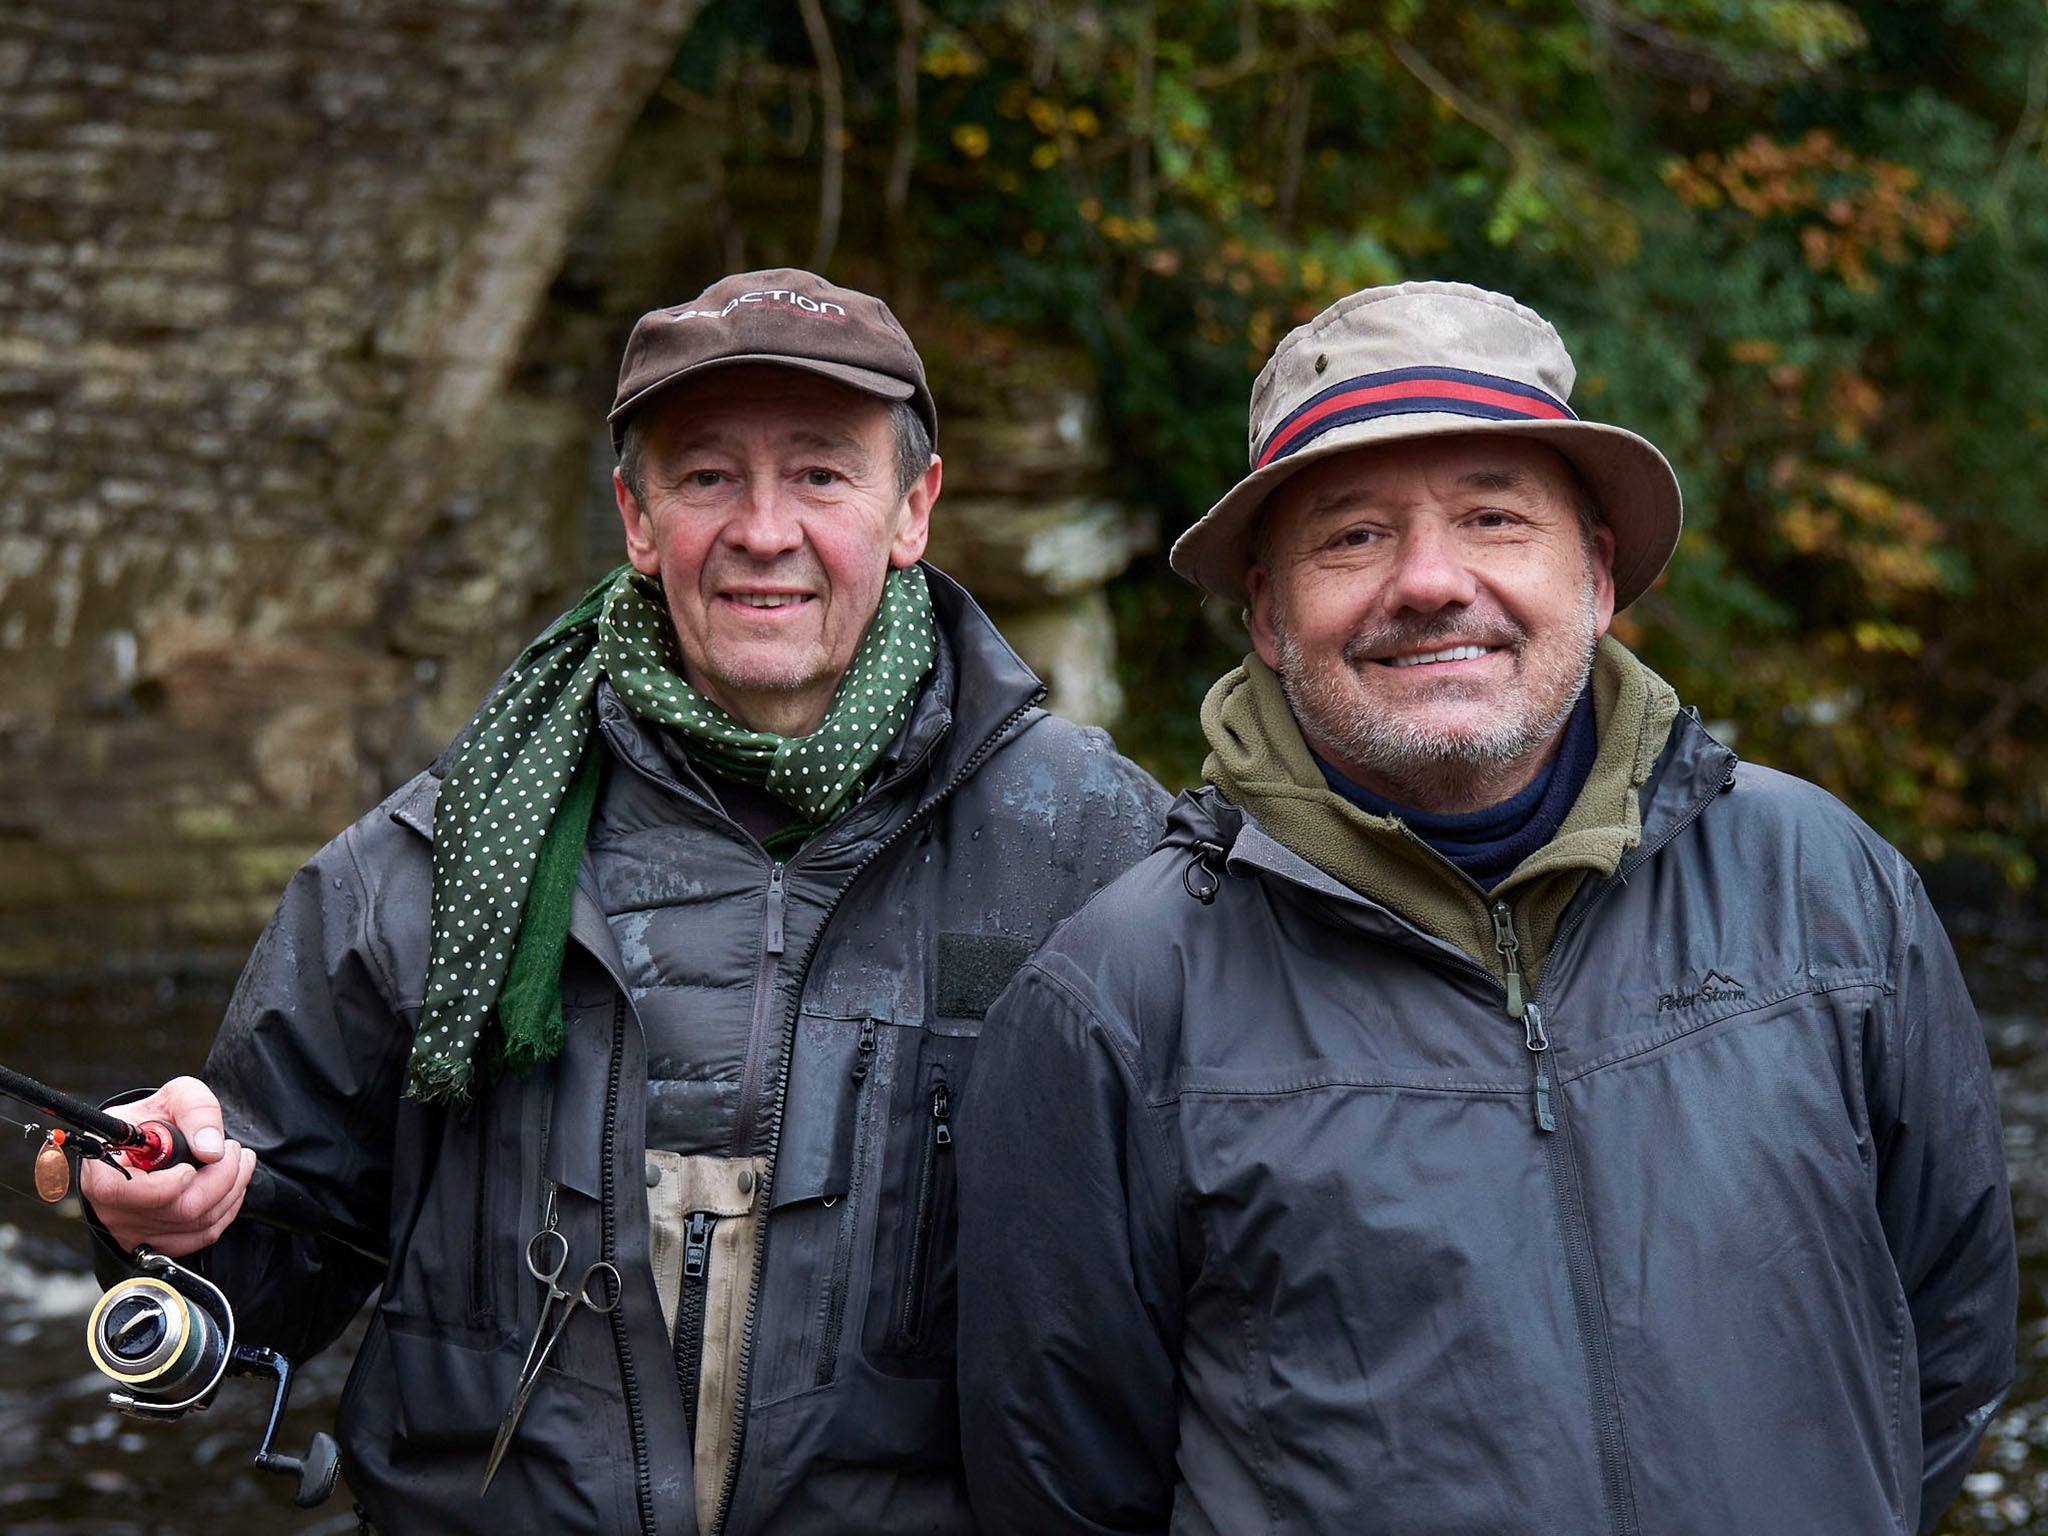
x: 605, y: 1299
x: 548, y: 1240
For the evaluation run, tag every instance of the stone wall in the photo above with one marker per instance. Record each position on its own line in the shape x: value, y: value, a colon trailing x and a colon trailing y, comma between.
x: 264, y: 268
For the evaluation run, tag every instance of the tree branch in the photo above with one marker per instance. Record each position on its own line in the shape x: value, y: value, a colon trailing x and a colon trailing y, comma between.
x: 832, y: 158
x: 1143, y: 194
x: 1300, y: 100
x: 896, y: 194
x: 1477, y: 113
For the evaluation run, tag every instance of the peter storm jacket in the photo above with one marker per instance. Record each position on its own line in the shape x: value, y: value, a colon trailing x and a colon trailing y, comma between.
x: 1274, y: 1220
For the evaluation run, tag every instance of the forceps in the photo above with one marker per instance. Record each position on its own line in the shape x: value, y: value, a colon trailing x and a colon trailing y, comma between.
x: 544, y: 1245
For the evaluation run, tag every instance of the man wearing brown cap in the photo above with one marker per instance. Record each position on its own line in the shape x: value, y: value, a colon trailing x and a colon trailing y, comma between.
x: 672, y: 967
x: 1494, y: 1108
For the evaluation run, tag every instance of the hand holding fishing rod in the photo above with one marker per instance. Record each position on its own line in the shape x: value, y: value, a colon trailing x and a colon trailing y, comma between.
x: 193, y: 1181
x: 183, y: 1202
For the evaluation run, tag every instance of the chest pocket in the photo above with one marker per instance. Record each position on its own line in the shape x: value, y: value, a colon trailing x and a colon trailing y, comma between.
x: 909, y: 1326
x: 911, y: 1312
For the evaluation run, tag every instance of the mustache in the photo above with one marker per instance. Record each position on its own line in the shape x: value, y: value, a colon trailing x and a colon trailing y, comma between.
x: 1433, y: 632
x: 735, y: 568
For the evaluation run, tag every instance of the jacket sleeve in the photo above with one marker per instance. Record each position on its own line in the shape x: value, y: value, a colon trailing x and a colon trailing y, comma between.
x: 1070, y: 1296
x: 1943, y: 1200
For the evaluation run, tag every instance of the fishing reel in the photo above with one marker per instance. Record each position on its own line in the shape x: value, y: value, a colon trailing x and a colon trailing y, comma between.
x: 166, y: 1337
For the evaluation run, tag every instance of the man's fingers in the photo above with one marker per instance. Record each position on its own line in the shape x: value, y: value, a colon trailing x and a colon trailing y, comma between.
x: 177, y: 1210
x: 214, y: 1197
x: 224, y: 1212
x: 144, y: 1194
x: 195, y: 1206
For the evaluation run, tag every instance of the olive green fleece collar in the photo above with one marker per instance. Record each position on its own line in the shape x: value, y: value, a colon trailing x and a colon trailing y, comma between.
x: 1260, y: 761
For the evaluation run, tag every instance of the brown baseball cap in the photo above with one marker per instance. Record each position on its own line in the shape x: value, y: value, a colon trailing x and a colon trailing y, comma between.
x: 785, y: 316
x: 1421, y: 360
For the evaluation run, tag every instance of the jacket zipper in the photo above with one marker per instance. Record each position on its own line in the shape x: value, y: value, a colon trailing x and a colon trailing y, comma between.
x: 849, y: 1215
x: 915, y: 819
x: 764, y: 1007
x: 643, y: 1474
x: 1575, y: 1232
x: 1529, y: 1013
x: 940, y: 1137
x: 697, y: 1228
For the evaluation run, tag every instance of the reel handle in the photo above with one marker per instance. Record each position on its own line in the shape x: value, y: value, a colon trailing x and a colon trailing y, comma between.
x: 317, y: 1469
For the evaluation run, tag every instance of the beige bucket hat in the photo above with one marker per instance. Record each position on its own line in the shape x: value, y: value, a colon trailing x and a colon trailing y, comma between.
x: 1418, y: 360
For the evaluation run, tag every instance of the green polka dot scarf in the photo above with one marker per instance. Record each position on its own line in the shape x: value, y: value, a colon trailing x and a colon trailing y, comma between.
x: 515, y: 808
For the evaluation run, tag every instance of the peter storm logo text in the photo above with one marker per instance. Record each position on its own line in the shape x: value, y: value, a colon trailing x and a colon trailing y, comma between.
x: 1714, y: 987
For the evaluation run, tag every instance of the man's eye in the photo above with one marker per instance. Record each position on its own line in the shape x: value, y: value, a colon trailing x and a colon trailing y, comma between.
x: 705, y: 478
x: 820, y: 477
x: 1355, y: 538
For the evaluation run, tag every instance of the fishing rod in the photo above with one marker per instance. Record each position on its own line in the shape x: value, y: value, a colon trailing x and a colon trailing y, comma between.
x: 165, y: 1336
x: 93, y: 1133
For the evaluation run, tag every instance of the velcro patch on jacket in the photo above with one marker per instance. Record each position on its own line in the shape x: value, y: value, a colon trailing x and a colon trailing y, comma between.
x: 973, y: 969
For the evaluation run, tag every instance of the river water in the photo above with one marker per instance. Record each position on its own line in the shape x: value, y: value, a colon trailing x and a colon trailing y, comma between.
x: 69, y: 1465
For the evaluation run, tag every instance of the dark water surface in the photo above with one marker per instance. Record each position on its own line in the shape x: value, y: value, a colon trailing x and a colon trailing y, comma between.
x: 71, y: 1465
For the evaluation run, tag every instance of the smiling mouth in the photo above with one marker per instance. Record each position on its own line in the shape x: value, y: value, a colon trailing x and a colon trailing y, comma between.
x: 768, y: 601
x: 1430, y: 658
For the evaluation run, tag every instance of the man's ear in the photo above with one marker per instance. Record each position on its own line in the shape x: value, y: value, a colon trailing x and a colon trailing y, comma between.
x: 640, y: 547
x: 915, y: 525
x: 1258, y: 613
x: 1603, y: 572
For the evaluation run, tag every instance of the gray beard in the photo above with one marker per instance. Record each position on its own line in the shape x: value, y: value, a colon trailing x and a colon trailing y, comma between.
x: 1431, y: 768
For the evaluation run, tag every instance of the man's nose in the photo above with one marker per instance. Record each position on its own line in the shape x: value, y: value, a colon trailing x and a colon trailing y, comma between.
x: 766, y: 524
x: 1430, y: 572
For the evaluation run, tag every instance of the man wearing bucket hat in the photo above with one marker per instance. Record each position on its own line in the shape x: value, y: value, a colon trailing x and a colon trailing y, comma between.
x: 715, y: 889
x: 1493, y: 1108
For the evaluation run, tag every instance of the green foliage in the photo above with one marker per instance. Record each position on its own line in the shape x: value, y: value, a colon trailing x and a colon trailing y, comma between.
x: 1799, y: 245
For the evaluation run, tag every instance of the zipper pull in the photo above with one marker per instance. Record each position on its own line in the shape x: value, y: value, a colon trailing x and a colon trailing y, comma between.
x: 696, y: 1245
x: 942, y: 1106
x: 864, y: 1051
x: 772, y: 937
x: 1510, y: 949
x: 1539, y: 1047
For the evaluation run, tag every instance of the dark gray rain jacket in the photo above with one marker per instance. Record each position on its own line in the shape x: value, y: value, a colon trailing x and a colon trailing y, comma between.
x: 867, y: 961
x: 1263, y: 1229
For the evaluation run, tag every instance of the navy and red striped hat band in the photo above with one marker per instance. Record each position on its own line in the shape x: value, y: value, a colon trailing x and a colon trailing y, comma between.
x: 1405, y: 391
